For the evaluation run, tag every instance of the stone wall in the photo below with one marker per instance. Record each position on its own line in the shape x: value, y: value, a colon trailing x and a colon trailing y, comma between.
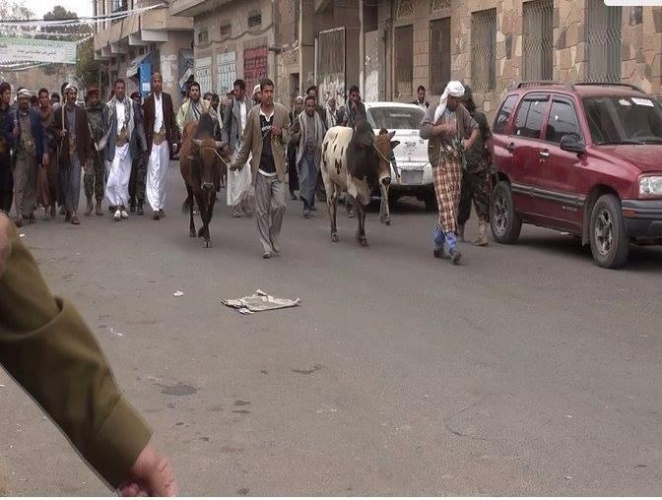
x: 641, y: 40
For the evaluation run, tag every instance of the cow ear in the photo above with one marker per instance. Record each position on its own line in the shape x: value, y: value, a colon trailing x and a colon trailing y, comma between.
x: 395, y: 144
x: 391, y: 135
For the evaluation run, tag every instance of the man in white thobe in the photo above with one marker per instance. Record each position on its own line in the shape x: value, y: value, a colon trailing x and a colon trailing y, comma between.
x: 161, y: 133
x: 124, y: 141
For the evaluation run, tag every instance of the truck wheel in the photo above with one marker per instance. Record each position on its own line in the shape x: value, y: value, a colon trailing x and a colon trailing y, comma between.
x: 610, y: 243
x: 506, y: 224
x: 430, y: 201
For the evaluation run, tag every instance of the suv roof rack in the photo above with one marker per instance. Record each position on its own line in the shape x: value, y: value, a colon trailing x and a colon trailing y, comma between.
x: 608, y: 84
x: 544, y: 83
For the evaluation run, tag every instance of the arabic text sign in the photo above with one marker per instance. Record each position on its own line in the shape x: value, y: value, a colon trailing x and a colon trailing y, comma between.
x: 28, y: 49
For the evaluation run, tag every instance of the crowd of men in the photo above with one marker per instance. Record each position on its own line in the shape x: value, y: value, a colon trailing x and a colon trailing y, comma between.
x: 122, y: 150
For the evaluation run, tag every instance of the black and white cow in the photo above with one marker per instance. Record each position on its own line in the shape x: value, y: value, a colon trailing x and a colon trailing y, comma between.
x: 355, y: 161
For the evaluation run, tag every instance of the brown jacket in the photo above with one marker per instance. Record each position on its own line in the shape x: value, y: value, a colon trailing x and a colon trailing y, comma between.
x: 251, y: 141
x: 48, y: 349
x: 84, y: 146
x: 171, y: 130
x: 465, y: 125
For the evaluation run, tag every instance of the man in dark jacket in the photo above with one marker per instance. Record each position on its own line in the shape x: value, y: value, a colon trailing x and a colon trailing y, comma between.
x: 125, y: 142
x: 30, y: 150
x: 161, y: 133
x: 71, y: 127
x: 6, y: 143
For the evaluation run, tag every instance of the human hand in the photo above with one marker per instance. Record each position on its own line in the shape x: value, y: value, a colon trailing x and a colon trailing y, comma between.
x: 151, y: 475
x: 45, y: 160
x: 276, y: 131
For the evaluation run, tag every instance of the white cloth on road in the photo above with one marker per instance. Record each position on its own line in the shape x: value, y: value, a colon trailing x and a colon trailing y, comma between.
x: 117, y: 188
x: 261, y: 301
x: 157, y: 171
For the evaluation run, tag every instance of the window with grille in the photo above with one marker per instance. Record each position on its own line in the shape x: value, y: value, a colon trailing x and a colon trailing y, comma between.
x: 603, y: 42
x: 440, y: 54
x: 404, y: 61
x: 226, y: 30
x: 483, y: 50
x: 255, y: 20
x: 538, y: 35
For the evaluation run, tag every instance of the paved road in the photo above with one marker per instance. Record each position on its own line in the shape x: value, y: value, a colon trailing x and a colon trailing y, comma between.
x: 528, y: 370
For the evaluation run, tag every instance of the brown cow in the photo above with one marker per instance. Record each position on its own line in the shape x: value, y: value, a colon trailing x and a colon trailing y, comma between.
x: 201, y: 166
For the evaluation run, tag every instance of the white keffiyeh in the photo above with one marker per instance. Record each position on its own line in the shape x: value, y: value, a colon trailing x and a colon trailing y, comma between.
x: 453, y: 89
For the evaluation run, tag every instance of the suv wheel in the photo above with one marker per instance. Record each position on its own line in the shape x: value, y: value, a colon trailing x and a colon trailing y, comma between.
x: 610, y: 244
x: 506, y: 224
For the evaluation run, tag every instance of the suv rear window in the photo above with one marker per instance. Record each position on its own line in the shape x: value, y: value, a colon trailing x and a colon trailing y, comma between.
x: 530, y: 117
x: 503, y: 116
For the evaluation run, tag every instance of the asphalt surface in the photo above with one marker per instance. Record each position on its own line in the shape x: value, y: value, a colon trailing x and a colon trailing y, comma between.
x: 525, y: 371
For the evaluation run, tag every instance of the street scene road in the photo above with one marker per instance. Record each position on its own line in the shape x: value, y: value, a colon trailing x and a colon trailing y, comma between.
x: 527, y: 370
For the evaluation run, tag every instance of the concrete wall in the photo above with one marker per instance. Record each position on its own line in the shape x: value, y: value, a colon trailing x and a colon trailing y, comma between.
x: 169, y: 62
x: 241, y: 38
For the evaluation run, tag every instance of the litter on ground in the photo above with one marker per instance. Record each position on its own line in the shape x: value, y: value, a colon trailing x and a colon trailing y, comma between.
x: 260, y: 301
x: 178, y: 293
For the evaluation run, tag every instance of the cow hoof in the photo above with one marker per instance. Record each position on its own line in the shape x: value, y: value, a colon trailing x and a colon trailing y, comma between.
x: 363, y: 241
x: 208, y: 244
x: 387, y: 222
x: 334, y: 238
x: 192, y: 233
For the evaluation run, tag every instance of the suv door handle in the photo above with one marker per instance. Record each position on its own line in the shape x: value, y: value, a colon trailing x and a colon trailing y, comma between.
x: 510, y: 147
x: 544, y: 155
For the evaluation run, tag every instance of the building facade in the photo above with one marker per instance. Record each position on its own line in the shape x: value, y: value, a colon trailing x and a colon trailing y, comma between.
x: 493, y: 45
x: 232, y: 39
x: 141, y: 44
x: 391, y: 47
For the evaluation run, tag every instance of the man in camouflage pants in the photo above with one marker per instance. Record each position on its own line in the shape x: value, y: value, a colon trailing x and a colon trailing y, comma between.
x: 476, y: 178
x: 94, y: 178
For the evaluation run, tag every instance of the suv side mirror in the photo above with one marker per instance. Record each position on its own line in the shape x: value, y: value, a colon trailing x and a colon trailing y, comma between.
x: 572, y: 143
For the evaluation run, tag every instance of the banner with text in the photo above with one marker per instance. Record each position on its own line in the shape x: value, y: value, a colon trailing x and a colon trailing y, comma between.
x: 29, y: 49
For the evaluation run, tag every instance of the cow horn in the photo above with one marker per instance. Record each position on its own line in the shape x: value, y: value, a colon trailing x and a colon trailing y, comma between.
x: 219, y: 144
x: 197, y: 142
x: 391, y: 135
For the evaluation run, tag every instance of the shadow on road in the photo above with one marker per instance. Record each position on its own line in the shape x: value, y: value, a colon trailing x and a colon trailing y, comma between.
x: 641, y: 259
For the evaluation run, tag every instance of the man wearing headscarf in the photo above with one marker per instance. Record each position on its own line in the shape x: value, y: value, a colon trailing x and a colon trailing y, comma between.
x: 331, y: 112
x: 476, y: 179
x: 71, y: 126
x: 161, y: 132
x: 450, y: 130
x: 125, y: 141
x: 257, y: 95
x: 94, y: 178
x: 6, y: 143
x: 30, y: 150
